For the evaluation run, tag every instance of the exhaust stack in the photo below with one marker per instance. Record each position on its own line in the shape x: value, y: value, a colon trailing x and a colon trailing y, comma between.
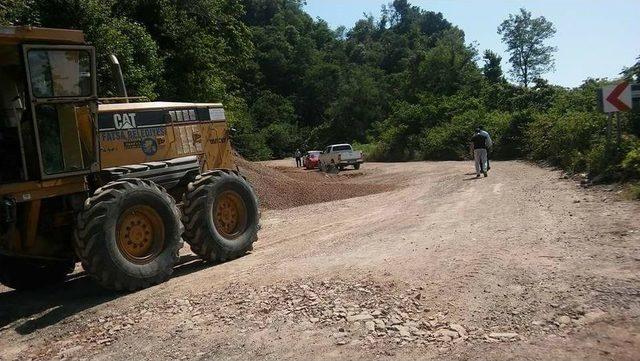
x: 118, y: 78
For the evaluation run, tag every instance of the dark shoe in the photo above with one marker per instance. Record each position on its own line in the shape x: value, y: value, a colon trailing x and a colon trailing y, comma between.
x: 477, y: 175
x: 485, y: 174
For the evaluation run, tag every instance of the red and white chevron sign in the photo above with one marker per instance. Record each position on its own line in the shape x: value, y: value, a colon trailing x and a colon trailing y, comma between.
x: 617, y: 98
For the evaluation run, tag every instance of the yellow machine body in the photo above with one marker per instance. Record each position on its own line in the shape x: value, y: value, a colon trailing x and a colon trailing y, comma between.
x: 60, y: 140
x: 134, y: 133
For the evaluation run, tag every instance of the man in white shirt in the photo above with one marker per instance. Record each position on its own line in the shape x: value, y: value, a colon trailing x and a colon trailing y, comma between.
x: 489, y: 143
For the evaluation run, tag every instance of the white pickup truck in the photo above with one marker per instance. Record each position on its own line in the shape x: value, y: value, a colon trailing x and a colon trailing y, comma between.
x: 339, y: 156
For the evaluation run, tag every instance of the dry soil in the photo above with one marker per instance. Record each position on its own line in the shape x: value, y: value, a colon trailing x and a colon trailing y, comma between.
x: 395, y: 261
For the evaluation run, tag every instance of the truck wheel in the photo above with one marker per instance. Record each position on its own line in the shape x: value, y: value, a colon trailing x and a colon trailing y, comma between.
x: 129, y: 234
x: 220, y: 216
x: 24, y: 273
x: 333, y: 168
x: 356, y: 166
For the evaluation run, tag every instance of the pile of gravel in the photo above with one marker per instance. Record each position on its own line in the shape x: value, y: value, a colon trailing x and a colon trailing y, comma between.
x: 280, y: 189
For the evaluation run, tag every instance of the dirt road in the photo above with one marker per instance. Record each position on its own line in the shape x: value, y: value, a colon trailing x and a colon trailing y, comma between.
x: 430, y: 264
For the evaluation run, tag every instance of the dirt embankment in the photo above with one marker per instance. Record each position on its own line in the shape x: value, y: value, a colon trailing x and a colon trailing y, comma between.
x: 283, y: 187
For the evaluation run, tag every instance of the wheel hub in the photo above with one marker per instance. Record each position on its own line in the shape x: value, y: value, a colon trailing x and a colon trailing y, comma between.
x: 140, y: 234
x: 230, y: 214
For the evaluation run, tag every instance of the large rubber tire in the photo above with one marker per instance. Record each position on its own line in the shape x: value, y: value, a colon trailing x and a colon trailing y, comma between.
x: 356, y: 166
x: 24, y: 273
x: 201, y: 232
x: 96, y: 235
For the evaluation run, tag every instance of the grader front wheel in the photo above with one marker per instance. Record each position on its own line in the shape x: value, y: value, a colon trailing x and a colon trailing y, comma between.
x: 129, y: 234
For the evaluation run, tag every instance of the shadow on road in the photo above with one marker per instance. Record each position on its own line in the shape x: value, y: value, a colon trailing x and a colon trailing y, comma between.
x: 36, y: 309
x: 472, y: 178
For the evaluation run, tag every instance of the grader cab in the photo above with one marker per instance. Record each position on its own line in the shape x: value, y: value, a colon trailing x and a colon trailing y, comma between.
x: 116, y: 186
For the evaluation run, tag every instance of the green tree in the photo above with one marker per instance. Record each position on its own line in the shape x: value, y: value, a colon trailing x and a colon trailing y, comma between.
x: 633, y: 72
x: 204, y: 44
x: 492, y: 69
x: 525, y: 38
x: 136, y: 50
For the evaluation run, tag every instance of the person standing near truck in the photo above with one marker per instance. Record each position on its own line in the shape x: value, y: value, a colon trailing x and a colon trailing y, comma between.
x: 479, y: 144
x: 298, y: 156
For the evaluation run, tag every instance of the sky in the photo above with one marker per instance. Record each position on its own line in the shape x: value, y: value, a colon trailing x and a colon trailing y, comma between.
x: 595, y: 38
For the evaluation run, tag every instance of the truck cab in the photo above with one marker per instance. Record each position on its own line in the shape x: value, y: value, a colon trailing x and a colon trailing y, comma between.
x: 340, y: 156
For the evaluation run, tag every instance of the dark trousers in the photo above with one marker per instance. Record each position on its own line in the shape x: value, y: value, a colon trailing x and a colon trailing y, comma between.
x: 298, y: 162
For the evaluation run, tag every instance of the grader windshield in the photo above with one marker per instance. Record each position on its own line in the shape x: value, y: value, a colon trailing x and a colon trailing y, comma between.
x: 62, y: 86
x: 60, y: 73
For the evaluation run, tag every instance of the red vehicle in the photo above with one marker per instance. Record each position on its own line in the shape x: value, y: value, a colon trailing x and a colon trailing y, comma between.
x: 311, y: 159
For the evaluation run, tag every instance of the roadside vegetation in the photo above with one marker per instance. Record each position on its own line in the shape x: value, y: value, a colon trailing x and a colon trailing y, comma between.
x: 402, y: 85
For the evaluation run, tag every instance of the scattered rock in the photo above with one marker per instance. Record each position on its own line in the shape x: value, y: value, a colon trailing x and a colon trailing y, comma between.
x: 69, y: 352
x: 564, y: 320
x: 448, y: 333
x: 360, y: 317
x: 459, y: 329
x: 503, y: 335
x: 591, y: 317
x: 370, y: 325
x: 380, y: 324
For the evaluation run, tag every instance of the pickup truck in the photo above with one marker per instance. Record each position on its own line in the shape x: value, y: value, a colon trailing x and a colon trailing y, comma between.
x: 339, y: 156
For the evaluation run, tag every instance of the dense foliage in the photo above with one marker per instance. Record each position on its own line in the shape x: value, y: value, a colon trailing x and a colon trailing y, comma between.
x: 403, y: 86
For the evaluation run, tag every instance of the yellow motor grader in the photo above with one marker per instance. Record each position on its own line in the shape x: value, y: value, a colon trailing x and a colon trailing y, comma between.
x: 86, y: 179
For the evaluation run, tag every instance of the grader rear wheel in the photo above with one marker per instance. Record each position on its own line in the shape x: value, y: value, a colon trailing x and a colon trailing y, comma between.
x: 129, y: 235
x: 220, y: 216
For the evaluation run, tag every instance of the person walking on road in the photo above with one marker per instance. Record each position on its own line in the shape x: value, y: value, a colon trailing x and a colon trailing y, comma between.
x: 479, y: 144
x: 489, y: 144
x: 298, y: 156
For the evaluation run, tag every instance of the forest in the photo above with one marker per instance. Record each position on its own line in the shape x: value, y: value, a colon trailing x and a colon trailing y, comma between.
x: 402, y: 85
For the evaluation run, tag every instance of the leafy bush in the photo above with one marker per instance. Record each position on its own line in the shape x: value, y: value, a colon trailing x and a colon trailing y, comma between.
x: 566, y: 140
x: 631, y: 162
x: 373, y: 152
x: 635, y: 191
x: 244, y: 137
x: 449, y: 141
x: 513, y: 139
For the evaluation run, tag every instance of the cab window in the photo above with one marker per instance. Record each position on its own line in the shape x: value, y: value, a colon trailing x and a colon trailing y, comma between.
x: 60, y: 73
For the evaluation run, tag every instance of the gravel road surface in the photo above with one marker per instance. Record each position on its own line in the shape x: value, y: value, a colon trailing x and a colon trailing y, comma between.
x: 395, y: 261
